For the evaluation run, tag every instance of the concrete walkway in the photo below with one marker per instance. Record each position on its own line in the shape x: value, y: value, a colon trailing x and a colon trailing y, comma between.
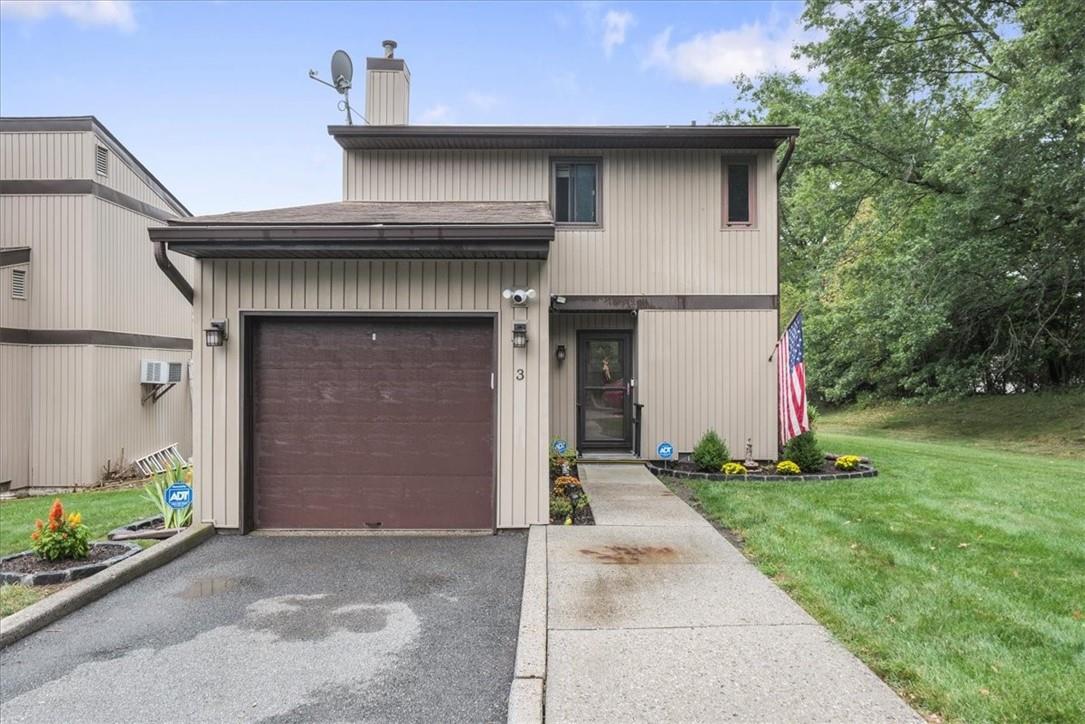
x: 654, y: 616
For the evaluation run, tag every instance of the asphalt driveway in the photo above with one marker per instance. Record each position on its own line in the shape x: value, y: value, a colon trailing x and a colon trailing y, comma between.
x: 286, y: 629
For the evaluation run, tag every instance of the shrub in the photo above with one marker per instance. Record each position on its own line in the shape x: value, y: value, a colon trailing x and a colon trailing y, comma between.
x: 847, y: 462
x: 803, y: 450
x: 61, y: 538
x: 711, y: 452
x: 734, y: 469
x: 786, y: 467
x: 558, y: 460
x: 560, y: 507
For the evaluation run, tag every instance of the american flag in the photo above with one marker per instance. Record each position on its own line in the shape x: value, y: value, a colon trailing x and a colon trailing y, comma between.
x: 791, y: 382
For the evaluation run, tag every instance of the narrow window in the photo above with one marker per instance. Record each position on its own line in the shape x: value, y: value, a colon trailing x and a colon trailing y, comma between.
x: 738, y: 193
x: 576, y: 187
x: 18, y: 283
x: 101, y: 160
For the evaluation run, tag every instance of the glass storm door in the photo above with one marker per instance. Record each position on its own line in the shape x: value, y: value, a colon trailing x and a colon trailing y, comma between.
x: 604, y: 405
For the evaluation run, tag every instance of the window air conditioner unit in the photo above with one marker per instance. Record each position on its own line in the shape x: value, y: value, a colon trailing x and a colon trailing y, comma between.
x: 157, y: 372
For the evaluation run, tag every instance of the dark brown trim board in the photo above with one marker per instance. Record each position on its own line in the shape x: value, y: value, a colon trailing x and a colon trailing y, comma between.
x: 12, y: 335
x: 15, y: 255
x: 91, y: 124
x: 554, y: 137
x: 385, y: 64
x: 81, y: 186
x: 633, y: 302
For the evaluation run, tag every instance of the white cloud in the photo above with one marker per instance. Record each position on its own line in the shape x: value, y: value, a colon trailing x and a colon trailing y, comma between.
x: 435, y: 115
x: 482, y: 101
x: 117, y: 13
x: 715, y: 58
x: 615, y: 23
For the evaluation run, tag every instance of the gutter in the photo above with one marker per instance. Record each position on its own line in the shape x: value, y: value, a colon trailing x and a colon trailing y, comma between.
x: 173, y: 273
x: 782, y: 166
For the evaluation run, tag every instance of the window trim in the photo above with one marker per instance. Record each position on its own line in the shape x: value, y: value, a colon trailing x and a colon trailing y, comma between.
x: 751, y: 163
x: 598, y: 162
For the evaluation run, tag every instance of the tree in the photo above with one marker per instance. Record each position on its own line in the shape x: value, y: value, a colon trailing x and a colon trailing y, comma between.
x: 934, y: 214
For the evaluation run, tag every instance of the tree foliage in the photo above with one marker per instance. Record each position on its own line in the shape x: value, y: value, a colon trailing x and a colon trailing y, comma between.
x: 934, y: 212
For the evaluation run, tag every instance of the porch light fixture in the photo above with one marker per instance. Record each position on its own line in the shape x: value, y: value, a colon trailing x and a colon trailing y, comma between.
x: 560, y: 354
x: 519, y: 334
x: 215, y: 335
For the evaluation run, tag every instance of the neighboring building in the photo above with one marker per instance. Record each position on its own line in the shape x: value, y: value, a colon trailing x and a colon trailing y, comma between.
x: 82, y: 302
x: 374, y: 372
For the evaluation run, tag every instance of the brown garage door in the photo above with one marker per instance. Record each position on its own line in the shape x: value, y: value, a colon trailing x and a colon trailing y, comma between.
x: 373, y: 423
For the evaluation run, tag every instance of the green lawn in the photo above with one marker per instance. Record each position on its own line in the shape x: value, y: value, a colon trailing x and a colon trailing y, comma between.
x: 102, y: 512
x: 1051, y: 424
x: 958, y: 574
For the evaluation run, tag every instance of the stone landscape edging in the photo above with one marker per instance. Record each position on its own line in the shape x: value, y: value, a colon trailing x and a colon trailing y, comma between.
x: 51, y: 578
x: 866, y: 470
x: 132, y: 527
x: 52, y: 608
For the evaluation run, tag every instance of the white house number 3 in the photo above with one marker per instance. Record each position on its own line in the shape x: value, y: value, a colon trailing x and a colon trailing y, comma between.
x: 520, y: 373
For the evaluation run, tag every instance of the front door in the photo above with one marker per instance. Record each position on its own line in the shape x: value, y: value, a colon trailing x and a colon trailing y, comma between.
x: 604, y: 390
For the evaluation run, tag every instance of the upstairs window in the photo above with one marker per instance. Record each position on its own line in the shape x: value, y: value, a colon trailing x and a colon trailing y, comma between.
x: 101, y: 160
x: 576, y: 192
x: 739, y: 208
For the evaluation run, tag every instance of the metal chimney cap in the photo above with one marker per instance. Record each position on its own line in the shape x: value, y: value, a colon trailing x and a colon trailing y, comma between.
x: 389, y: 48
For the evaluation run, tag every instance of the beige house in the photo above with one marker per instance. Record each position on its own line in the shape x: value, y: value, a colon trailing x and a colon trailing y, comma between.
x: 404, y: 358
x: 82, y: 303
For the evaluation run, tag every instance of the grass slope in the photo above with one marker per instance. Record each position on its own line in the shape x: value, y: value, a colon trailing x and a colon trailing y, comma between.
x: 958, y: 574
x: 1050, y: 424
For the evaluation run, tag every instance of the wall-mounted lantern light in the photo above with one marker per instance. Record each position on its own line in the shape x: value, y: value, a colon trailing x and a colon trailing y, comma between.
x: 560, y: 354
x: 215, y: 335
x: 519, y: 334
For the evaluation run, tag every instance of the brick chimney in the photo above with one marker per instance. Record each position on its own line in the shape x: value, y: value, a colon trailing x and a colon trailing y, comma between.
x: 387, y: 89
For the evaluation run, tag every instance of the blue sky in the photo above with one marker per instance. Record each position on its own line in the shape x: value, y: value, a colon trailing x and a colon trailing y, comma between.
x: 214, y: 97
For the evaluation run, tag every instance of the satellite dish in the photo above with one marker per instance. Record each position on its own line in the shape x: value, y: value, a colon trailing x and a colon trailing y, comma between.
x: 342, y: 75
x: 342, y: 71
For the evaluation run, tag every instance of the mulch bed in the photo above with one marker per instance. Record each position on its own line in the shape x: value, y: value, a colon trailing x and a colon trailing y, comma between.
x: 580, y: 517
x: 27, y: 568
x: 687, y: 469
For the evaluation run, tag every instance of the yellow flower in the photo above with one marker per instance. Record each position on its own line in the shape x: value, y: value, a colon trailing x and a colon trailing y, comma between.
x: 75, y: 519
x: 188, y: 476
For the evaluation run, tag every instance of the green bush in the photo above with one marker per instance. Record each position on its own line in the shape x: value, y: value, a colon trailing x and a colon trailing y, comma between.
x: 803, y: 450
x: 711, y: 452
x: 560, y: 507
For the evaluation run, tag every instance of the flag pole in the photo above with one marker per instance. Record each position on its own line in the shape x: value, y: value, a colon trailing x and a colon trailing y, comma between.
x: 777, y: 345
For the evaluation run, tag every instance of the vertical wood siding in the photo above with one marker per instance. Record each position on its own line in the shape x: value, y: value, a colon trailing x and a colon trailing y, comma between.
x: 387, y: 97
x: 60, y: 232
x: 130, y: 293
x: 702, y: 369
x: 15, y: 414
x: 45, y: 155
x: 563, y: 393
x: 121, y: 176
x: 661, y: 215
x: 224, y: 288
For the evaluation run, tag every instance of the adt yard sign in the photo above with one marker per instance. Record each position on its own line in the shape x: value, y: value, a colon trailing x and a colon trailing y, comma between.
x: 665, y: 450
x: 178, y: 496
x: 560, y: 446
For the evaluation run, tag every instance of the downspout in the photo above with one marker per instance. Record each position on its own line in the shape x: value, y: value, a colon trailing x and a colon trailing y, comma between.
x: 782, y: 166
x: 172, y: 272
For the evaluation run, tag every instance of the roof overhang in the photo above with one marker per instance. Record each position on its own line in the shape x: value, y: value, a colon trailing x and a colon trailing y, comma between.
x: 345, y: 241
x: 560, y: 137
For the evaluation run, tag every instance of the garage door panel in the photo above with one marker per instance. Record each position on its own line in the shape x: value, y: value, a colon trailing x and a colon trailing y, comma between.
x: 349, y: 430
x: 367, y: 501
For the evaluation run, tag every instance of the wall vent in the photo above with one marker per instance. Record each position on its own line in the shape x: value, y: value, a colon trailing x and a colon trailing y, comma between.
x: 157, y: 372
x: 101, y: 160
x: 18, y: 283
